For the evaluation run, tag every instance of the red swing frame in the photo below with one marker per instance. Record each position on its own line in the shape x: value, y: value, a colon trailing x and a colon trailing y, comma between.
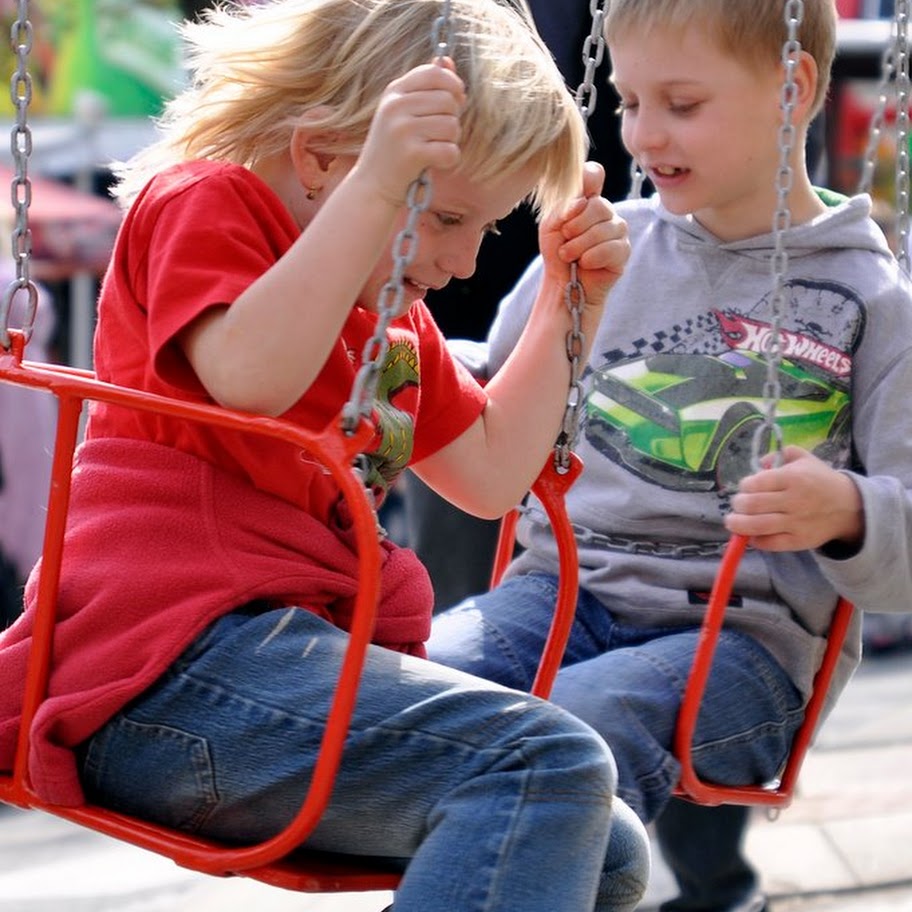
x: 277, y: 861
x: 778, y: 793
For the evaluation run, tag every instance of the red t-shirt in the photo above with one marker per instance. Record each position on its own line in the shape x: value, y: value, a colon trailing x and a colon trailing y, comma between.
x: 199, y: 235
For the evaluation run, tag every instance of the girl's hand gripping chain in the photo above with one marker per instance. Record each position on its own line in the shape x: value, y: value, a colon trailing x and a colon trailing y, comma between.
x: 416, y: 126
x: 587, y: 231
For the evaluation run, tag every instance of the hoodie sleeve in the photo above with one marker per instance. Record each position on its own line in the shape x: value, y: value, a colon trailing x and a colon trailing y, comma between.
x: 879, y: 576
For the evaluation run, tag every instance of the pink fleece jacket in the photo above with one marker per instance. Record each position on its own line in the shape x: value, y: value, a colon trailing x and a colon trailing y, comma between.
x: 159, y: 544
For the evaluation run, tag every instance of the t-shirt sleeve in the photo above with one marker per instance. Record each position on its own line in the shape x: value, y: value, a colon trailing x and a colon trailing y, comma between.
x: 210, y: 242
x: 451, y: 398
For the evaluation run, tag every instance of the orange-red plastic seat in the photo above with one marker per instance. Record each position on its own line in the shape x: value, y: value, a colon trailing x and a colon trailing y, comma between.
x: 690, y: 786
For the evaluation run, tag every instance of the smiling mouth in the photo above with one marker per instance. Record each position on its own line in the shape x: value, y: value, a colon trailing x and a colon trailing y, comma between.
x: 668, y: 170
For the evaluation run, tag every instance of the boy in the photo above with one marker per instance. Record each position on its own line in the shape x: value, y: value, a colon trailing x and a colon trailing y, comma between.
x: 674, y: 392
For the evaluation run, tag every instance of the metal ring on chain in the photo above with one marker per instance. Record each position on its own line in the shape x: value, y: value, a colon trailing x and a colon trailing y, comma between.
x: 21, y: 188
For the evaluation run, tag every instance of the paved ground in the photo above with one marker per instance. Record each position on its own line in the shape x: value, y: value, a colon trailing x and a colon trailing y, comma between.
x: 845, y: 845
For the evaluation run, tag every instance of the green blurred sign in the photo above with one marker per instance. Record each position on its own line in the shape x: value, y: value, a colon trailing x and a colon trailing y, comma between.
x: 127, y: 52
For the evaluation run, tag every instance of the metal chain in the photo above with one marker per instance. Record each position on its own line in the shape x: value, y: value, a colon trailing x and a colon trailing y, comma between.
x: 637, y: 179
x: 894, y: 68
x: 405, y: 246
x: 769, y: 434
x: 901, y: 55
x: 593, y: 55
x: 21, y: 188
x: 875, y: 131
x: 574, y: 294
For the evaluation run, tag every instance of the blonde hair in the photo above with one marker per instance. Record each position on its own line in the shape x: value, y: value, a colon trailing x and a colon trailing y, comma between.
x: 753, y: 30
x: 256, y: 71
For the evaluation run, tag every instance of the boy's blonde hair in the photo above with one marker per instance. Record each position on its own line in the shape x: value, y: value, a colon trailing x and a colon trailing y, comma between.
x: 257, y: 70
x: 753, y: 30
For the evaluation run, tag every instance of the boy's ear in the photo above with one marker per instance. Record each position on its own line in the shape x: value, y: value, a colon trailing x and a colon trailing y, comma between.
x: 806, y: 76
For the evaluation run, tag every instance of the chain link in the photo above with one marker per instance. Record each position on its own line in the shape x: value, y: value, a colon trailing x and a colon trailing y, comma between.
x: 769, y: 434
x: 575, y: 294
x: 405, y: 246
x: 878, y: 118
x: 21, y: 188
x: 901, y: 58
x: 593, y: 55
x: 894, y: 68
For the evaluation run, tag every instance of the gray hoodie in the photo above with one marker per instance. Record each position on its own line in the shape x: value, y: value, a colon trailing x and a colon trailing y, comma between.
x: 674, y: 391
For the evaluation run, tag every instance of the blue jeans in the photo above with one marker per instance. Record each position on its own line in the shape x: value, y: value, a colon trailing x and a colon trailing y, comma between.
x: 627, y: 683
x: 490, y: 799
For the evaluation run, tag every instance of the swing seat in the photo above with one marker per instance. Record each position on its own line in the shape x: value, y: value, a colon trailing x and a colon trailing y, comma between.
x: 778, y: 793
x: 690, y: 786
x: 278, y: 861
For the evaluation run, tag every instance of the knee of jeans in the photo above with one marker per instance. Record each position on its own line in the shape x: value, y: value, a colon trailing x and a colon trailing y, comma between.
x: 576, y: 750
x: 560, y: 752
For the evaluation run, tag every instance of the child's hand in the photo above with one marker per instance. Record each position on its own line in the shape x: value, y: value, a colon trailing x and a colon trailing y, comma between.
x: 416, y: 126
x: 586, y: 231
x: 799, y: 505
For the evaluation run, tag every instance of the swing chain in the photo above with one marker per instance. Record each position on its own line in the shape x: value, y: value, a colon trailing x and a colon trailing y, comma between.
x: 574, y: 294
x: 375, y: 350
x: 575, y: 299
x: 587, y: 92
x: 894, y: 68
x: 875, y: 131
x: 405, y: 246
x: 769, y: 434
x: 21, y: 188
x: 901, y: 56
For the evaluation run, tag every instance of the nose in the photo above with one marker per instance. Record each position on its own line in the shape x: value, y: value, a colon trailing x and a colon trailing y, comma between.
x: 459, y: 254
x: 643, y: 130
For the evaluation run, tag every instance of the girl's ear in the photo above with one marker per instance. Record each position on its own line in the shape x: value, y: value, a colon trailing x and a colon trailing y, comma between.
x: 310, y: 165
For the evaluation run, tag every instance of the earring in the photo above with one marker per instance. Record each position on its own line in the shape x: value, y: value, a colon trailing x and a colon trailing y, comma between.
x: 312, y: 192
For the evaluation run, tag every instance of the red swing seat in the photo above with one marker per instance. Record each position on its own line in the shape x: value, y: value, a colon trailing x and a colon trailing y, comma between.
x: 690, y: 786
x: 278, y: 861
x: 780, y: 792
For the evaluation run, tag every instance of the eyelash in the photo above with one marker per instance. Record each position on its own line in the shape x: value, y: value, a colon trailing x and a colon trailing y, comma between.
x: 680, y: 109
x: 449, y: 221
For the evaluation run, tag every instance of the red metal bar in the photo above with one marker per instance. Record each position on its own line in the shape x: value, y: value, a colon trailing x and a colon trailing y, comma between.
x: 775, y: 794
x: 551, y: 489
x: 503, y: 553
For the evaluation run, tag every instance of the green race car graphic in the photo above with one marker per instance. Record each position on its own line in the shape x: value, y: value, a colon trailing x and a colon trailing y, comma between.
x: 687, y: 421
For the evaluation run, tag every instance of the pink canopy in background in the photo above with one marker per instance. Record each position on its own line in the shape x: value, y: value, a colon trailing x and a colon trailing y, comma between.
x: 72, y: 231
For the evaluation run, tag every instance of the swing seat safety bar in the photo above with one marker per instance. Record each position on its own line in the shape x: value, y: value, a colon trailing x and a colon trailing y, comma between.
x: 277, y: 861
x: 690, y: 786
x: 778, y: 793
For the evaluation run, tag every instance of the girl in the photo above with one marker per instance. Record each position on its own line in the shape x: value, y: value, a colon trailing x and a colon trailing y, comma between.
x: 209, y: 576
